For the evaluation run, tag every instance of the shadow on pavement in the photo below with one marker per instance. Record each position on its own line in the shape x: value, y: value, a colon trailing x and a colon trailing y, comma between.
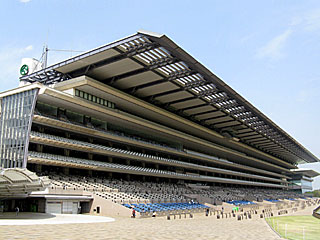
x: 25, y: 216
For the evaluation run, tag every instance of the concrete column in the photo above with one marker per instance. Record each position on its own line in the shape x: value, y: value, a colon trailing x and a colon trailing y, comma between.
x: 39, y: 148
x: 110, y: 160
x: 66, y: 152
x: 90, y: 156
x: 143, y: 164
x: 90, y: 173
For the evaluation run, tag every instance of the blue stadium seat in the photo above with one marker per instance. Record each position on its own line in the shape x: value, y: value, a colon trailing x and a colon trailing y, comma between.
x: 159, y: 207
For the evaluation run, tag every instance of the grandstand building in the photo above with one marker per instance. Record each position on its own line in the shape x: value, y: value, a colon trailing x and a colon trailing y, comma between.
x: 301, y: 180
x: 142, y: 111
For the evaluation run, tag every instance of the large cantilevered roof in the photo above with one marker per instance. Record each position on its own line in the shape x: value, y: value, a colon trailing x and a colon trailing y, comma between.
x: 153, y: 68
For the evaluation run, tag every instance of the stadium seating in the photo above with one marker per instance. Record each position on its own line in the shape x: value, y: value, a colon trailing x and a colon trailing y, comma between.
x: 148, y: 197
x: 160, y: 207
x: 104, y: 164
x: 112, y: 132
x: 240, y: 202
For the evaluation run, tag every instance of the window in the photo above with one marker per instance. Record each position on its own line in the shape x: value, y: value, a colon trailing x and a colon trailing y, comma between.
x: 94, y: 99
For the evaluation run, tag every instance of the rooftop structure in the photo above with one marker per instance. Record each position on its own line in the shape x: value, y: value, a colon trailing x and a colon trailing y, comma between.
x: 153, y: 68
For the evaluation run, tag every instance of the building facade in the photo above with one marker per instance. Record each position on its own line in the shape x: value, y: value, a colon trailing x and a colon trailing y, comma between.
x: 142, y: 109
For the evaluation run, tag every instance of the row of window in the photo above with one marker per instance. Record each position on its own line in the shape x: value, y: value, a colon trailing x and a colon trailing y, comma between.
x: 94, y: 99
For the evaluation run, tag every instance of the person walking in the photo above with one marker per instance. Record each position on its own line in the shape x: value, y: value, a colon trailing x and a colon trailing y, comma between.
x: 207, y: 212
x: 17, y: 210
x: 133, y: 213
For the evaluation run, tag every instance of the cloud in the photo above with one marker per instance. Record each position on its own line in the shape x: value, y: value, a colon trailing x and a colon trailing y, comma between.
x: 274, y: 48
x: 29, y: 48
x: 305, y: 22
x: 25, y: 1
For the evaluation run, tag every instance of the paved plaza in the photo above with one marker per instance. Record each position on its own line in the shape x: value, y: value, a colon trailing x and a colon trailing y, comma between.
x: 199, y: 227
x: 44, y: 226
x: 52, y: 219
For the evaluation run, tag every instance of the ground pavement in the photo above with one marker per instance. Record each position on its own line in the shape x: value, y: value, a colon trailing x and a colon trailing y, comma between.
x: 45, y: 226
x: 199, y: 227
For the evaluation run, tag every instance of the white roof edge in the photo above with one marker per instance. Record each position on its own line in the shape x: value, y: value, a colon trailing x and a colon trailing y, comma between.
x: 153, y: 34
x: 302, y: 169
x: 22, y: 89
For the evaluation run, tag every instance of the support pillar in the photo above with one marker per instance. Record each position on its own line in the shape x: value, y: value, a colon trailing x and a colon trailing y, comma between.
x: 39, y: 148
x: 66, y: 152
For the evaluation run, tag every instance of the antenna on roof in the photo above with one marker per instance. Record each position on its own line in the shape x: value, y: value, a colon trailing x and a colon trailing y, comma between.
x: 46, y: 51
x: 31, y: 65
x: 45, y: 56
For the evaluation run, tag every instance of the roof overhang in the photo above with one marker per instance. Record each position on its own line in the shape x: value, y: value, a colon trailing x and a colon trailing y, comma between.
x: 306, y: 172
x: 18, y: 181
x: 63, y: 197
x: 153, y: 68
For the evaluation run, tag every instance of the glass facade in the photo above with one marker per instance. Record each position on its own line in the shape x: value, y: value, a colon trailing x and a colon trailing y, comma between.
x: 94, y: 99
x: 15, y: 124
x: 302, y: 184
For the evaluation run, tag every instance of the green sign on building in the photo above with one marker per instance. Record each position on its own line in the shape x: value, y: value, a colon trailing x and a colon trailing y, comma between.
x: 24, y: 70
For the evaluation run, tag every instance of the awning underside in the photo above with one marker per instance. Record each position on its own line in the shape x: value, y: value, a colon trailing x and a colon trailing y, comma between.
x: 155, y: 69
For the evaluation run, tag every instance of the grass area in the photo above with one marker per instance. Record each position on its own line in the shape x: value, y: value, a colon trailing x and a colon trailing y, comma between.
x: 296, y: 227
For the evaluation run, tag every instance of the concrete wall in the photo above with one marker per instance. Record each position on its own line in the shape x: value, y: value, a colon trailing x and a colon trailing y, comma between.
x: 109, y: 208
x: 42, y: 205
